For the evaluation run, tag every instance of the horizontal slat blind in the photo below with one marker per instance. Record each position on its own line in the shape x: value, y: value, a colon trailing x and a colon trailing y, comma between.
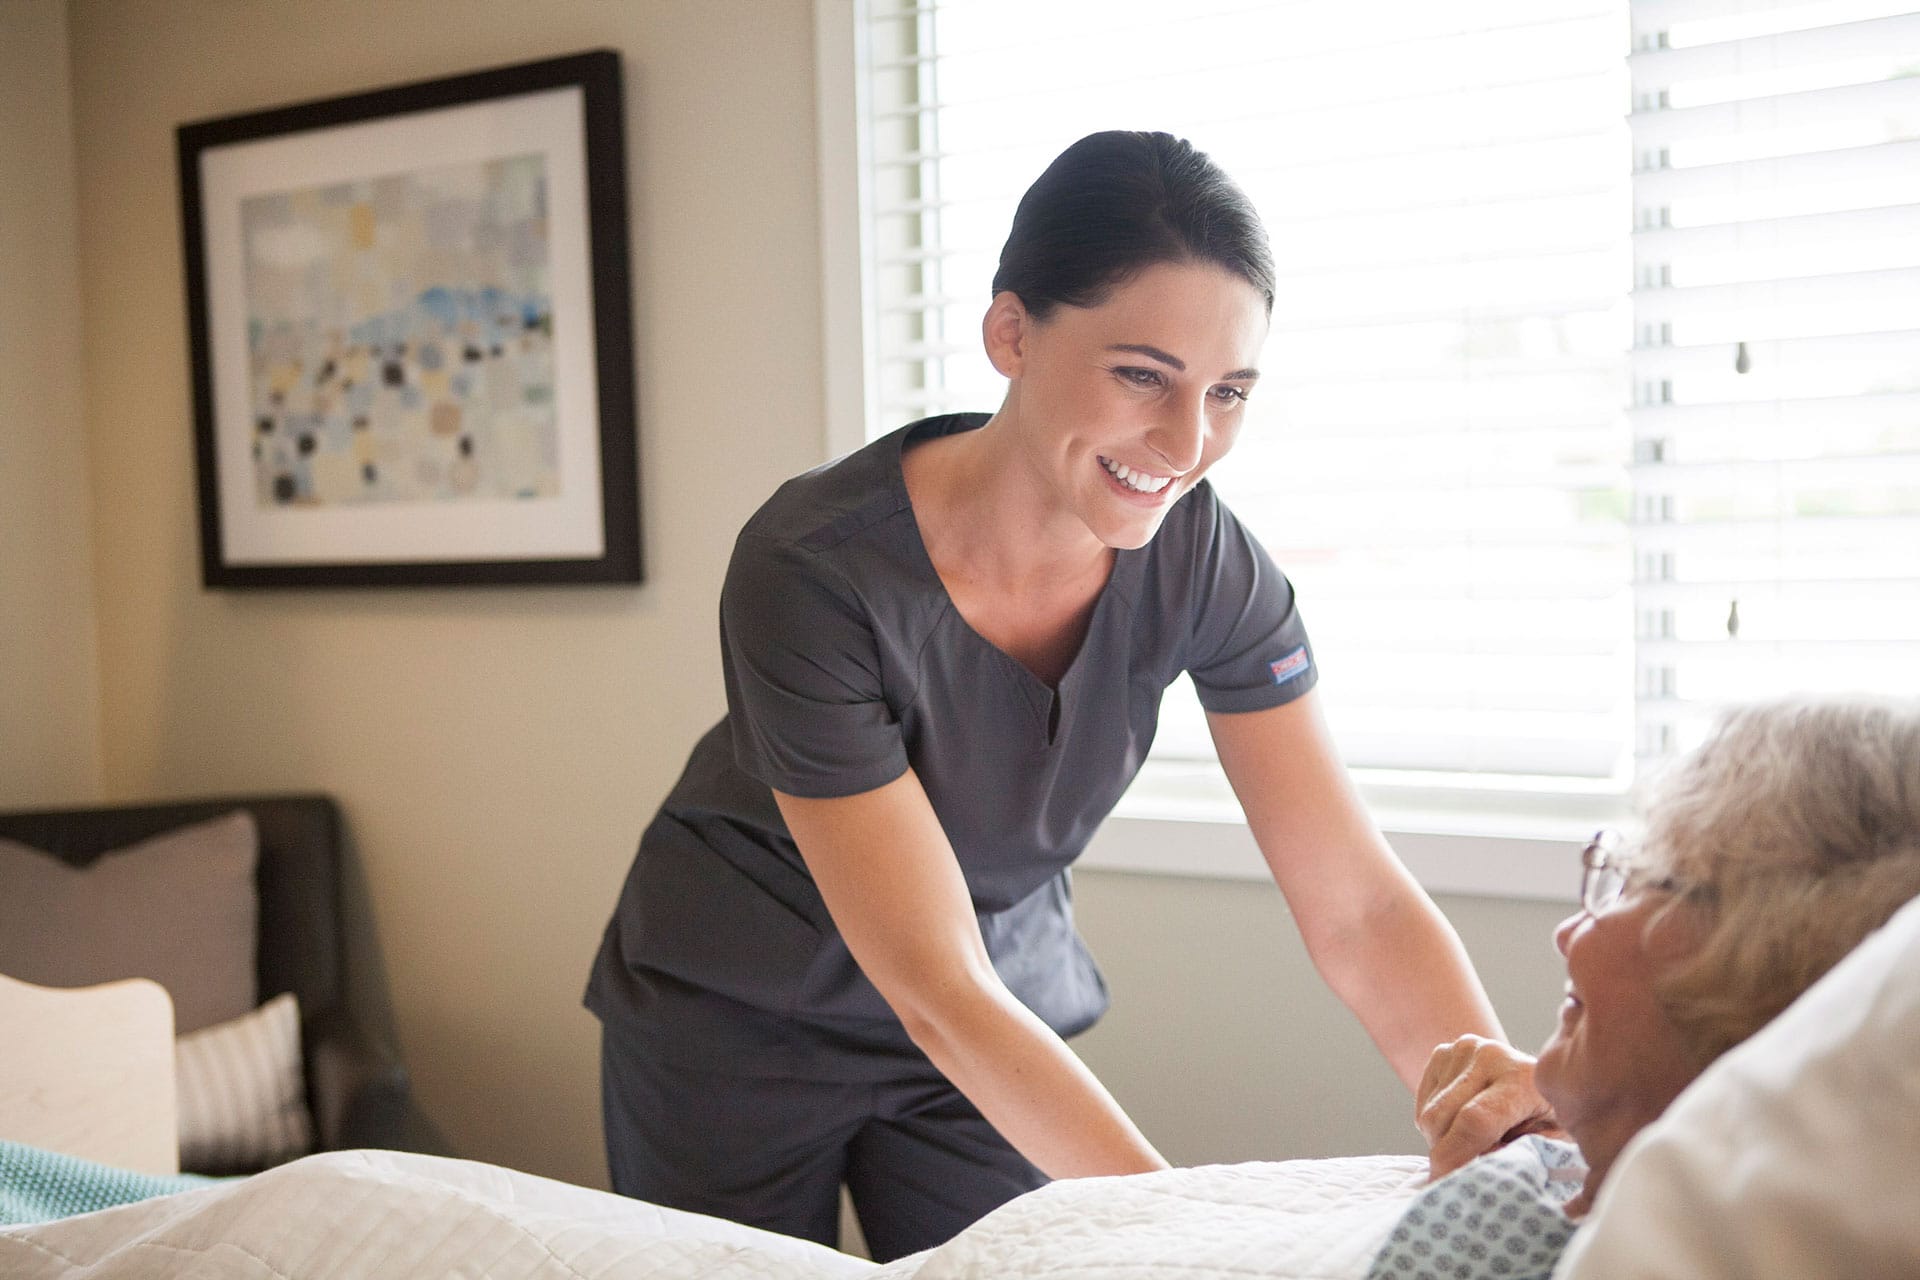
x: 1437, y: 451
x: 1776, y: 365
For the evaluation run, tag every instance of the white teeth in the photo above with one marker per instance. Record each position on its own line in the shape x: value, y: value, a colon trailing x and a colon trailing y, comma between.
x: 1138, y: 481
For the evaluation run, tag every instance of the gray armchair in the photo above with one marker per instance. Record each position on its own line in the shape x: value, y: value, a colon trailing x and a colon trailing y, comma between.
x: 357, y: 1087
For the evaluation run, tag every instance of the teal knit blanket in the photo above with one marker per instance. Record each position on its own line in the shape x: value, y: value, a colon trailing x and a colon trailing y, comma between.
x: 39, y: 1186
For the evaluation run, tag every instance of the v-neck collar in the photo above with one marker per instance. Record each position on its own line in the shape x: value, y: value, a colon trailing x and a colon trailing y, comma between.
x: 1043, y: 698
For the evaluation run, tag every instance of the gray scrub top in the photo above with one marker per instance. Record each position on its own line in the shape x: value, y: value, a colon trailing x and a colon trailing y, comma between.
x: 846, y: 664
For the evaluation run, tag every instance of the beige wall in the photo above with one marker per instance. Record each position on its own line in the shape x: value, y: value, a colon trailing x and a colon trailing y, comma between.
x: 498, y: 751
x: 49, y: 682
x: 1222, y: 1044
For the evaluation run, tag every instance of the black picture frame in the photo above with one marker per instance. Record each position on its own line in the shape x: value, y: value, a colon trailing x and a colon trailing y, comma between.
x: 295, y: 218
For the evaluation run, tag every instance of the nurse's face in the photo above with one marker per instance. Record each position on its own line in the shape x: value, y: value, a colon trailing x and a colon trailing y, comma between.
x: 1122, y: 407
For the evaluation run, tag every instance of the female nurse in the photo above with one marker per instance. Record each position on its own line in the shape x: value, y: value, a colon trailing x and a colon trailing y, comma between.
x: 845, y: 953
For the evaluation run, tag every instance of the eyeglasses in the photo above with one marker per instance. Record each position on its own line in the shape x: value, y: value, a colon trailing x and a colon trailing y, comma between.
x: 1606, y: 871
x: 1603, y: 871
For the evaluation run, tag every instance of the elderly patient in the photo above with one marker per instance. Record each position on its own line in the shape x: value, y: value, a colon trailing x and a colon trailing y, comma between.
x: 1766, y: 856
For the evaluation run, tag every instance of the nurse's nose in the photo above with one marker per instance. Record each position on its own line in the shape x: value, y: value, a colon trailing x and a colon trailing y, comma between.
x: 1180, y: 437
x: 1563, y: 934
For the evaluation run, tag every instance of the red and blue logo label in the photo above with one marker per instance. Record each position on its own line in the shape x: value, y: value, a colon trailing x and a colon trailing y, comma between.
x: 1294, y: 664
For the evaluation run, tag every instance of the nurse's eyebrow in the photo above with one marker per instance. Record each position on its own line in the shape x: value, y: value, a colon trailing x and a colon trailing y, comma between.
x: 1151, y: 352
x: 1168, y: 358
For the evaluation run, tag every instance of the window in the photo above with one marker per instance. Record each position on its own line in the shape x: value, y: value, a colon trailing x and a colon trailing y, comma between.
x: 1572, y: 424
x: 1776, y: 365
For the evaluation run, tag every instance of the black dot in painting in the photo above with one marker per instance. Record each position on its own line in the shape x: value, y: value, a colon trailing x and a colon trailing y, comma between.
x: 283, y: 488
x: 264, y: 424
x: 327, y: 371
x: 277, y: 397
x: 466, y: 446
x: 495, y: 351
x: 393, y: 375
x: 472, y: 354
x: 530, y: 323
x: 306, y: 443
x: 370, y: 473
x: 360, y: 422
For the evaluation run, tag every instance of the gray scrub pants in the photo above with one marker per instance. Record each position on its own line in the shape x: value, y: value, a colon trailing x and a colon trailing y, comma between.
x: 918, y: 1160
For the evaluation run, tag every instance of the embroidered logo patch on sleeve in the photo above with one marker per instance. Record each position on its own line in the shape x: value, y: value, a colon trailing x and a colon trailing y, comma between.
x: 1294, y: 664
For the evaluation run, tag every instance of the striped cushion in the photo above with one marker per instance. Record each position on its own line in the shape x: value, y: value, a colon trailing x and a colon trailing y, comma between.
x: 242, y: 1094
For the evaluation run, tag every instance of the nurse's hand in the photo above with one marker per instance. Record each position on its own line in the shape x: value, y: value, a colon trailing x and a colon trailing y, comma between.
x: 1475, y: 1096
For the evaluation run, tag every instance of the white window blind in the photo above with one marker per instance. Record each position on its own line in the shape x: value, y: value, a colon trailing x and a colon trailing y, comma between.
x: 1776, y: 364
x: 1491, y: 550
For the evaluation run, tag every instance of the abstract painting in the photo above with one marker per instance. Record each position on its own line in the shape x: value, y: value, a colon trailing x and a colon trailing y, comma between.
x: 409, y: 318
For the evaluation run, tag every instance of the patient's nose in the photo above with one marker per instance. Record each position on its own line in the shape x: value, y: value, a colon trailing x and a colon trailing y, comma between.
x: 1563, y: 934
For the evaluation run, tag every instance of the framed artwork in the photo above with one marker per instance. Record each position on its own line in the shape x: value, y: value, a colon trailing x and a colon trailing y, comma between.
x: 411, y: 336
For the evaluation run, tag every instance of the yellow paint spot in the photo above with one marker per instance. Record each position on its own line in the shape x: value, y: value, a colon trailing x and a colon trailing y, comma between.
x: 363, y: 225
x: 446, y: 418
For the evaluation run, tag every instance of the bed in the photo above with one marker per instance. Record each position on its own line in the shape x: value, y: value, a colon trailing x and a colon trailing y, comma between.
x: 1797, y: 1154
x: 384, y: 1214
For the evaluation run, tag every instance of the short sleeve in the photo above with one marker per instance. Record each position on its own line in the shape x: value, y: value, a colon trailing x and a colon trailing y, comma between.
x: 805, y: 700
x: 1249, y: 649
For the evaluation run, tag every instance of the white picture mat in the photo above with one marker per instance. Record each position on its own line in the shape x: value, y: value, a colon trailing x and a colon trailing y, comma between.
x: 549, y: 123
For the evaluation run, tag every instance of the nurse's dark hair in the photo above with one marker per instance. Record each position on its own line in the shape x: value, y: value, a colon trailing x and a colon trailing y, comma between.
x: 1112, y: 205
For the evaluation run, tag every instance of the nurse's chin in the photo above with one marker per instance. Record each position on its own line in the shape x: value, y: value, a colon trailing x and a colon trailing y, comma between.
x: 1130, y: 539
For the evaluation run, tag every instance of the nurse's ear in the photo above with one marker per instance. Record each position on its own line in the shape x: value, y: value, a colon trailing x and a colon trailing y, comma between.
x: 1005, y: 330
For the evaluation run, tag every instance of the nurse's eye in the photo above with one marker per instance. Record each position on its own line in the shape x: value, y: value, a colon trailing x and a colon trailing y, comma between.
x: 1146, y: 379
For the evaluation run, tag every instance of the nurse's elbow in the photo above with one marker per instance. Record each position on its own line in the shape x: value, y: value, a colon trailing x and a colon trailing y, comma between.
x: 942, y: 1016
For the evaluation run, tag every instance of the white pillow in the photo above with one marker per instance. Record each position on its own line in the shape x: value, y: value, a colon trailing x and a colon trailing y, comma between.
x: 1797, y: 1154
x: 243, y: 1096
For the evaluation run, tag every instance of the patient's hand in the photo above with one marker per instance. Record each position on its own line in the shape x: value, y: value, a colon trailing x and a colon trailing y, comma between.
x: 1477, y: 1095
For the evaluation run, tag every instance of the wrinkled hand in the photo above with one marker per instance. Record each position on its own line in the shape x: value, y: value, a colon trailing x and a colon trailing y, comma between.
x: 1477, y: 1095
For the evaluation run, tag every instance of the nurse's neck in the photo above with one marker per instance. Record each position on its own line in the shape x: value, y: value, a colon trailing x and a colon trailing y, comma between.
x: 987, y: 515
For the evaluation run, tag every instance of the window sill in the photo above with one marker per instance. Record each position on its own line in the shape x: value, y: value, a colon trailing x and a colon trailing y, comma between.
x: 1501, y: 840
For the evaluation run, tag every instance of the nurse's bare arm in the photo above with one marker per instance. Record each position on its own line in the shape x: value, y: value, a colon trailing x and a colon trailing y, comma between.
x: 895, y: 890
x: 1373, y: 933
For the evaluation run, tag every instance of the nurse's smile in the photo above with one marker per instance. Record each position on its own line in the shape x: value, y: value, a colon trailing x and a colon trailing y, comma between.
x: 1134, y: 482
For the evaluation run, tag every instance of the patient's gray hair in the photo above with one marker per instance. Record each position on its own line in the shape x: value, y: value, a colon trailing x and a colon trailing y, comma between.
x: 1797, y: 828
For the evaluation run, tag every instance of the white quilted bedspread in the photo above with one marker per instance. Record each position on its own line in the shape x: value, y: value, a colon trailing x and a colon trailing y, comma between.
x: 381, y: 1214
